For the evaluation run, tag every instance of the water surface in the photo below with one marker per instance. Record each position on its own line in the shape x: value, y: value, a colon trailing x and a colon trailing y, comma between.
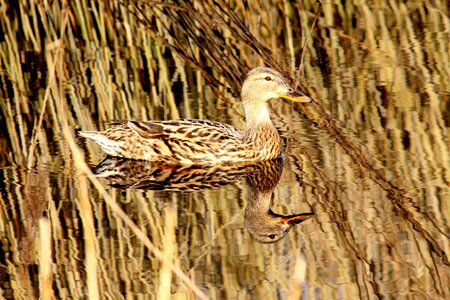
x: 370, y: 156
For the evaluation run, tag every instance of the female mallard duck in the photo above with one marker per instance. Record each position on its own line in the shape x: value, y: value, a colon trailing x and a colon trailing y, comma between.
x: 203, y: 142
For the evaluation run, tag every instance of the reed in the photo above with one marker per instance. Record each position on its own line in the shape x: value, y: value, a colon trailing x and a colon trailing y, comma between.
x: 370, y: 156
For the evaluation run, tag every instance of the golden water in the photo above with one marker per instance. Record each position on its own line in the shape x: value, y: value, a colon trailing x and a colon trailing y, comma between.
x: 370, y: 156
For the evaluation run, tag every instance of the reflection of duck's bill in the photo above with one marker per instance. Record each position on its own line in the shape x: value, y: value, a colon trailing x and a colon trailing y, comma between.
x: 296, y: 219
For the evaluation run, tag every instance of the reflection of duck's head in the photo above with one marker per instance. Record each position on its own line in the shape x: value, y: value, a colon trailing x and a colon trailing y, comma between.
x: 263, y: 224
x: 271, y: 227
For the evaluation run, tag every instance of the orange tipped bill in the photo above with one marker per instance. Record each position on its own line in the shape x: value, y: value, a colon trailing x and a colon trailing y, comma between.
x: 295, y: 96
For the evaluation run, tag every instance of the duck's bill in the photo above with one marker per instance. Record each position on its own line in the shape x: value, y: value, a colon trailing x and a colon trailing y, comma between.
x: 296, y: 219
x: 295, y: 96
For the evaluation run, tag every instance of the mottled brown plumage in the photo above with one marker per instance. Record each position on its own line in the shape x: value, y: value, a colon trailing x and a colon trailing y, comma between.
x: 203, y: 142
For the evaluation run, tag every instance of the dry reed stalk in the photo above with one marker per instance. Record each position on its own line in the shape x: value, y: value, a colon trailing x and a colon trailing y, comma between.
x: 169, y: 250
x: 298, y: 278
x: 37, y: 128
x: 45, y: 260
x: 90, y: 240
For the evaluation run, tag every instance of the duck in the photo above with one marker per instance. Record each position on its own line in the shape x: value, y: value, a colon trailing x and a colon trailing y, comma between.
x: 205, y: 142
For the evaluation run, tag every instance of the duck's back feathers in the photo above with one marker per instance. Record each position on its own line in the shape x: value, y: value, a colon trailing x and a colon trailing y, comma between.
x: 175, y: 142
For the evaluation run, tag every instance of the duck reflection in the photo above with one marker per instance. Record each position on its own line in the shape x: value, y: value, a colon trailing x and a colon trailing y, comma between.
x: 264, y: 225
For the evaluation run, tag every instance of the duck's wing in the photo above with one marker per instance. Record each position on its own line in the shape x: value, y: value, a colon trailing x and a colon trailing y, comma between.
x: 185, y: 129
x: 182, y: 142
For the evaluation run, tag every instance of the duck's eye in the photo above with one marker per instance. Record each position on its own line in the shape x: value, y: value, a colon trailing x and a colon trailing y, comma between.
x: 268, y: 78
x: 271, y: 236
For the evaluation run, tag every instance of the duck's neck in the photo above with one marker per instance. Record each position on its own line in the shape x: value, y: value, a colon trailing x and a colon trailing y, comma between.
x: 258, y: 206
x: 260, y: 129
x: 256, y: 114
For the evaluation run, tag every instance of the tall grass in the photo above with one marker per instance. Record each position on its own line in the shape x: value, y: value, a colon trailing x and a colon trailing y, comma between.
x: 370, y: 156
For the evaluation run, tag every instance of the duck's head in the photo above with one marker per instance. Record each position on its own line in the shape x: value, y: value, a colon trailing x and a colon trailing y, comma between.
x: 273, y: 227
x: 262, y: 84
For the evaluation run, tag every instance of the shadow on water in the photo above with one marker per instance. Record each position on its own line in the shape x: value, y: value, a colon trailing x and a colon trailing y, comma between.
x: 263, y: 224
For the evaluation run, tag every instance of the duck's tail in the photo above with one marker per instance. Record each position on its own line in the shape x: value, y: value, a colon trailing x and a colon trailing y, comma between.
x: 108, y: 145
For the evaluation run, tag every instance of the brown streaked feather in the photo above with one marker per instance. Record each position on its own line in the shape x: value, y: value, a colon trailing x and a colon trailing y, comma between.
x: 147, y: 130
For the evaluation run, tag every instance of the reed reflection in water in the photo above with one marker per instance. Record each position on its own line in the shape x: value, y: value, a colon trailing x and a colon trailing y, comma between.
x: 370, y: 157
